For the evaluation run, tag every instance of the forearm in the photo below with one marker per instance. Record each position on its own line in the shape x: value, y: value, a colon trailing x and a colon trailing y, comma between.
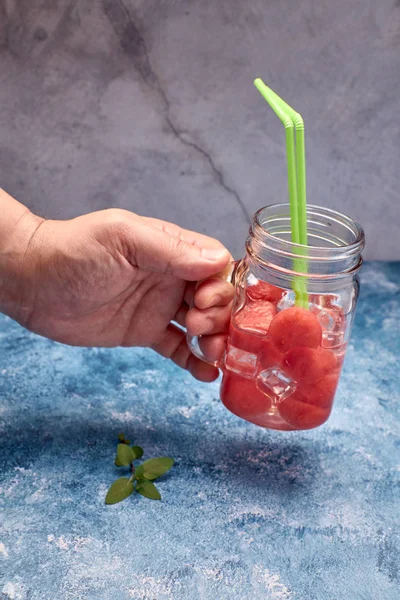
x: 17, y: 228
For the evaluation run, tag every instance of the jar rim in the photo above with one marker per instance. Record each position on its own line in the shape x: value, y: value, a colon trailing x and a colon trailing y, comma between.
x: 313, y: 251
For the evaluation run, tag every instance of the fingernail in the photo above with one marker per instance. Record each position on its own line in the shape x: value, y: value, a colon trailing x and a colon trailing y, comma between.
x: 213, y: 254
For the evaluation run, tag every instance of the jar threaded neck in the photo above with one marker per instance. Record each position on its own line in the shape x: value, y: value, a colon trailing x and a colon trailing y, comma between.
x: 335, y: 242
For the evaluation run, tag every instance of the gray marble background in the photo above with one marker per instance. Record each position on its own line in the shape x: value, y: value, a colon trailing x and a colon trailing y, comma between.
x: 149, y: 105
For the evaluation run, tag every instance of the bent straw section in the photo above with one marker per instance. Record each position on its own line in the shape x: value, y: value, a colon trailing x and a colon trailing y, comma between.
x: 296, y: 183
x: 298, y: 122
x: 288, y: 124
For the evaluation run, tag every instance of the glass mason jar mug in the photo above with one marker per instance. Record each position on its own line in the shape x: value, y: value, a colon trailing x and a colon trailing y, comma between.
x: 291, y: 318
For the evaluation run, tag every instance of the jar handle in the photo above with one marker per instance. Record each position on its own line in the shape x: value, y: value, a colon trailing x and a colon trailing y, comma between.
x: 228, y: 274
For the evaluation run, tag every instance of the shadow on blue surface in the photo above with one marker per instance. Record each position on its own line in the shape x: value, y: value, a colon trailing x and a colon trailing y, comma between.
x: 61, y: 437
x: 246, y: 513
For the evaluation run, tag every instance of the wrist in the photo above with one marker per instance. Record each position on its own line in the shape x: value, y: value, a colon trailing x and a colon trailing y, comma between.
x: 18, y: 226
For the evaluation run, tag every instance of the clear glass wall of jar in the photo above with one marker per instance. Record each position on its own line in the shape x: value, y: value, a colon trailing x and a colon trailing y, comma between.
x: 290, y: 327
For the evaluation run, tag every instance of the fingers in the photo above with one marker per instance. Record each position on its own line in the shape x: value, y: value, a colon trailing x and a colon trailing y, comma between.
x: 159, y: 246
x: 186, y: 235
x: 180, y: 316
x: 154, y: 249
x: 174, y: 346
x: 210, y: 316
x: 213, y: 292
x: 209, y: 321
x: 164, y: 247
x: 201, y: 370
x: 189, y: 293
x: 214, y: 319
x: 213, y: 346
x: 210, y: 293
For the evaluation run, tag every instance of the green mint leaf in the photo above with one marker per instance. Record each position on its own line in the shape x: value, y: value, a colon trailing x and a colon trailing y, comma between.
x: 155, y: 467
x: 148, y: 490
x: 121, y: 437
x: 137, y: 451
x: 119, y: 490
x: 139, y: 472
x: 124, y: 455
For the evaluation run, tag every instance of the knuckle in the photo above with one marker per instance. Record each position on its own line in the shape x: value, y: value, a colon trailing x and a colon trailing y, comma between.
x: 116, y: 215
x: 118, y: 222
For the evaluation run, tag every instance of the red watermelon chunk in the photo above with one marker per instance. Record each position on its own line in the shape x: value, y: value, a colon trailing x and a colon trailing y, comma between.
x: 255, y: 316
x: 264, y: 291
x: 295, y: 327
x: 241, y: 396
x: 249, y: 342
x: 322, y: 392
x: 308, y: 365
x: 300, y: 415
x: 250, y: 325
x: 270, y: 355
x: 311, y: 404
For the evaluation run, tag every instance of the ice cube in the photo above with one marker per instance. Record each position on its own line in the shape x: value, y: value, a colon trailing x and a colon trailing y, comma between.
x: 327, y: 319
x: 332, y: 339
x: 287, y: 301
x: 332, y: 324
x: 275, y: 384
x: 251, y: 279
x: 241, y: 362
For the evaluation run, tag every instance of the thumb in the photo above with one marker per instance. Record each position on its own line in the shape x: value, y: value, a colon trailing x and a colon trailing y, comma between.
x: 153, y: 249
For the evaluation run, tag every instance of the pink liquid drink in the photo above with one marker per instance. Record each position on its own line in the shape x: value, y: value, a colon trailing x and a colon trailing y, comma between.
x: 281, y: 370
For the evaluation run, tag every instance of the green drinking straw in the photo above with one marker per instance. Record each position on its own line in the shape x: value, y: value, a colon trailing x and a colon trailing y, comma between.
x: 295, y: 154
x: 300, y: 168
x: 283, y: 114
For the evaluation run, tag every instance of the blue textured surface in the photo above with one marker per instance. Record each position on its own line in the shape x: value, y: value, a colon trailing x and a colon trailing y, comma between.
x: 246, y: 512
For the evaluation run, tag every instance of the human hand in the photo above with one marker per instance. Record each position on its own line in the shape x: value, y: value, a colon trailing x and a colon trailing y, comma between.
x: 113, y: 278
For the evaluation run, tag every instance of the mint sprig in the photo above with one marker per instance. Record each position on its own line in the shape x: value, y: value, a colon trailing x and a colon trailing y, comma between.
x: 120, y: 489
x: 125, y: 456
x: 148, y: 490
x: 142, y: 476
